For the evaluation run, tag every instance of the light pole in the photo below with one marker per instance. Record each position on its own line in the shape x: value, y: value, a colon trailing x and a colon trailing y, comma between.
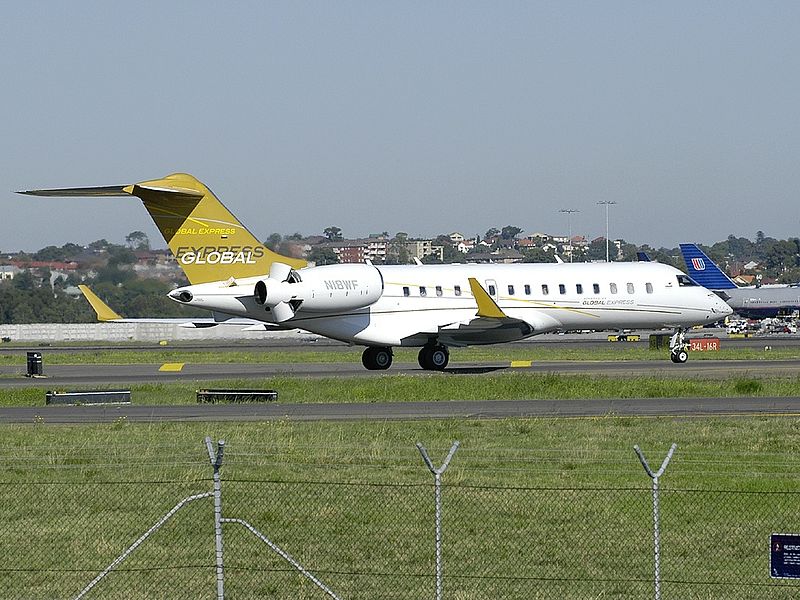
x: 607, y: 203
x: 569, y: 212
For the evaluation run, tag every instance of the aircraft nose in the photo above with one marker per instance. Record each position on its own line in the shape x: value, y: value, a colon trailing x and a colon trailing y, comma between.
x: 719, y: 306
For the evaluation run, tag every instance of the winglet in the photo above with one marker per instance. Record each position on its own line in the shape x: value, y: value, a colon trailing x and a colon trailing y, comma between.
x: 487, y: 307
x: 103, y: 310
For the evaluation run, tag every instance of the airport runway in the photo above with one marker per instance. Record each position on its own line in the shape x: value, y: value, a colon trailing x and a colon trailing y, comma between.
x: 538, y: 344
x: 66, y: 377
x: 59, y: 376
x: 392, y: 411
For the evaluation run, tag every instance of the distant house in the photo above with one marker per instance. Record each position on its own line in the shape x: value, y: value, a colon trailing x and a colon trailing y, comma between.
x: 502, y: 256
x: 422, y: 248
x: 508, y: 256
x: 53, y: 265
x: 347, y: 251
x: 480, y: 257
x: 465, y: 246
x: 357, y: 251
x: 538, y: 237
x: 8, y: 272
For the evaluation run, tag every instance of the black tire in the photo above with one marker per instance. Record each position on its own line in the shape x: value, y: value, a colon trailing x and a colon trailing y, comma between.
x: 434, y: 358
x: 422, y: 358
x: 377, y: 359
x: 679, y: 357
x: 368, y: 359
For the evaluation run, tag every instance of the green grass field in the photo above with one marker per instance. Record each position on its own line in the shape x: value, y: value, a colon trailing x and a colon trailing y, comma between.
x: 533, y: 508
x: 507, y: 385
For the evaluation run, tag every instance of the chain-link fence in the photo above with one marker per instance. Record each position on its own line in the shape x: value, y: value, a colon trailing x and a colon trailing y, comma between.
x: 306, y: 531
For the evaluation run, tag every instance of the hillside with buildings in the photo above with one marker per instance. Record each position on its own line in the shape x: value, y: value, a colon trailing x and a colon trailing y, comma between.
x: 135, y: 278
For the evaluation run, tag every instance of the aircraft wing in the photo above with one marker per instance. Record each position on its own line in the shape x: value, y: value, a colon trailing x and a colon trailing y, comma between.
x: 491, y: 323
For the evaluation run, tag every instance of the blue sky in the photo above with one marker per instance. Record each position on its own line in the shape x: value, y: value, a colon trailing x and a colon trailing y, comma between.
x: 424, y: 117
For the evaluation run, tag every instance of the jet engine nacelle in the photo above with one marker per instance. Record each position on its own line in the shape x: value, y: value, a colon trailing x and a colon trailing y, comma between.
x: 328, y: 288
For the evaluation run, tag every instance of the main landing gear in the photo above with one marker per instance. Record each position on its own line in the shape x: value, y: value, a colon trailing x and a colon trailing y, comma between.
x: 377, y: 358
x: 678, y: 348
x: 434, y: 357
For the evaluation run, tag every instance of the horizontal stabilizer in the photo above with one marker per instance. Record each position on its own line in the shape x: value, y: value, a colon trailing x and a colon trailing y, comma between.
x: 104, y: 311
x: 81, y: 192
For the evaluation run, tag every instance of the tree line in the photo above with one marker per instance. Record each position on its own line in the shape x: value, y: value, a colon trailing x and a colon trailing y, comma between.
x: 34, y: 297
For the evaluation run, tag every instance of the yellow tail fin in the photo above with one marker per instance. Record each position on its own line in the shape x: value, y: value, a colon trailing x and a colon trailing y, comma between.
x: 209, y: 243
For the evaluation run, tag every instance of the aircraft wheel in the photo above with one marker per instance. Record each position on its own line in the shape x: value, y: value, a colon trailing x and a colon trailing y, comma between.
x: 377, y: 359
x: 680, y: 357
x: 434, y: 358
x: 422, y: 357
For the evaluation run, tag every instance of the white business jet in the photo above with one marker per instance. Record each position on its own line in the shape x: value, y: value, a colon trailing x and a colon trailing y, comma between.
x: 432, y: 307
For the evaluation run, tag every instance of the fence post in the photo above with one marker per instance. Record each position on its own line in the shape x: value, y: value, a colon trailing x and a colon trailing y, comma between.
x: 216, y: 462
x: 437, y: 484
x: 656, y: 528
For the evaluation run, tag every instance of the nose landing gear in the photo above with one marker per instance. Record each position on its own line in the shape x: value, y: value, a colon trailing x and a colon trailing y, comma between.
x: 678, y: 348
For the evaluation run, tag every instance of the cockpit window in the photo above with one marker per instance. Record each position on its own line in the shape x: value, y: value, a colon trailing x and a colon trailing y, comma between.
x: 685, y: 281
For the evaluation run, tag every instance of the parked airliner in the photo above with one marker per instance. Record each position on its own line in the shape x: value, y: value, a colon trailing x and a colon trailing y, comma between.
x: 751, y: 302
x: 432, y: 307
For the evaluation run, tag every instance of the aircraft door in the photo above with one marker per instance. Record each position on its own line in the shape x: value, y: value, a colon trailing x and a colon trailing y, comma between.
x: 491, y: 288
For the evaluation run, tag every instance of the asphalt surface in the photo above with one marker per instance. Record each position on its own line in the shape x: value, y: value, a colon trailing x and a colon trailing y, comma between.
x: 65, y: 377
x: 59, y: 376
x: 313, y: 342
x: 406, y: 411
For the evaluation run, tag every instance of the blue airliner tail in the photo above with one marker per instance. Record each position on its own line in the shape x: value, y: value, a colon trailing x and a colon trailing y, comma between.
x: 703, y: 270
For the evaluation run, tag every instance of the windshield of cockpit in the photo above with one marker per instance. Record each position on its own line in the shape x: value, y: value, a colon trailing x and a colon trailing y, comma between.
x: 686, y: 281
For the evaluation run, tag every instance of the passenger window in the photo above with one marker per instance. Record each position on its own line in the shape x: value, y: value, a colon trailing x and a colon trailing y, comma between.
x: 562, y: 289
x: 438, y: 290
x: 423, y: 291
x: 630, y: 288
x: 527, y: 290
x: 648, y: 287
x: 596, y: 288
x: 579, y: 288
x: 457, y: 290
x: 492, y: 290
x: 406, y: 291
x: 613, y: 288
x: 545, y: 289
x: 511, y: 290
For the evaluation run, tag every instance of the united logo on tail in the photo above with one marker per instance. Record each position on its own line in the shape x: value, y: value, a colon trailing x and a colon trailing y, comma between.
x: 699, y: 264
